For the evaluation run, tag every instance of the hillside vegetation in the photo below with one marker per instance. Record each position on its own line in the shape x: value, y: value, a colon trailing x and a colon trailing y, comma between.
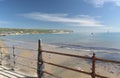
x: 13, y: 31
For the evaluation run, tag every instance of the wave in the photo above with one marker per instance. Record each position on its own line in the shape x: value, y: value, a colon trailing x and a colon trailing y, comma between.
x: 25, y: 44
x: 71, y: 46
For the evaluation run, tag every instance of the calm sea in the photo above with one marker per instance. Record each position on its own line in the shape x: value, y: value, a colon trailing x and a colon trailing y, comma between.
x: 103, y: 40
x: 88, y: 41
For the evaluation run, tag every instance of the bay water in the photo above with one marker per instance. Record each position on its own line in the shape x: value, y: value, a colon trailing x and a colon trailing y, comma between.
x: 106, y: 40
x: 109, y: 42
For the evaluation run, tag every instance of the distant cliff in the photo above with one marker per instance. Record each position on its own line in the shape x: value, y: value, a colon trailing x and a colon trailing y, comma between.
x: 13, y: 31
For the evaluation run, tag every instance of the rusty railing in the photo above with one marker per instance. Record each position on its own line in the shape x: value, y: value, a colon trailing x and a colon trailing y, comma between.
x: 93, y: 58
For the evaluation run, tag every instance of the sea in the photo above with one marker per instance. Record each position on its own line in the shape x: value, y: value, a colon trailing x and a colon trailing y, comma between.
x: 106, y: 45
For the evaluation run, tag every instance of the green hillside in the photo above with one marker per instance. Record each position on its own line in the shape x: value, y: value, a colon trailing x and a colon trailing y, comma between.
x: 11, y: 31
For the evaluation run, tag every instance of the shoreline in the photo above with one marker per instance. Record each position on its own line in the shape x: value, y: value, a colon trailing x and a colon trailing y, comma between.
x: 15, y: 31
x: 101, y: 53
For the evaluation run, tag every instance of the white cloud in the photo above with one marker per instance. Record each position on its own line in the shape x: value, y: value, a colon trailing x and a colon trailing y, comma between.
x: 100, y: 3
x: 85, y: 20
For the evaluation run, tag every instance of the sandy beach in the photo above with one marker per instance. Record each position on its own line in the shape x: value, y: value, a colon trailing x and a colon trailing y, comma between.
x: 105, y: 69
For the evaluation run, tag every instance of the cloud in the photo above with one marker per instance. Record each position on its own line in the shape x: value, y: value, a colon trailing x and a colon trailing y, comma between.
x: 100, y: 3
x: 83, y: 20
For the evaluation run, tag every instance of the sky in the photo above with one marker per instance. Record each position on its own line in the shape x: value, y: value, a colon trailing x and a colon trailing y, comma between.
x: 77, y: 15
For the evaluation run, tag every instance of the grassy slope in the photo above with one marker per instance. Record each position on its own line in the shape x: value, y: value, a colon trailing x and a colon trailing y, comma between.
x: 11, y: 30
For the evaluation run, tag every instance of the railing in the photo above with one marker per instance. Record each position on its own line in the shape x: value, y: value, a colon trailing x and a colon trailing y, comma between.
x: 40, y: 62
x: 93, y: 58
x: 13, y: 55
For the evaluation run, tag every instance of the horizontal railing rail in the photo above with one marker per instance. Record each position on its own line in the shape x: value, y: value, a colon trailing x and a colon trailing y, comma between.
x: 14, y: 55
x: 26, y: 49
x: 64, y: 54
x: 77, y: 56
x: 72, y: 69
x: 105, y: 60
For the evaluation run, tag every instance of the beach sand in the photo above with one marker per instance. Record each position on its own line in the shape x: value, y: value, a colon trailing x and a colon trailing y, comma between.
x: 105, y: 69
x: 4, y: 53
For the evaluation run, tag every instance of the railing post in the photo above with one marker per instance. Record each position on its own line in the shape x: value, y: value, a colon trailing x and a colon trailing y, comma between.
x: 93, y: 65
x: 0, y: 57
x: 13, y: 58
x: 40, y: 61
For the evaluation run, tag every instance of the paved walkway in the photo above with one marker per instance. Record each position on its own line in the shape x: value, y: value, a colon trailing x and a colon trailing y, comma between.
x: 8, y: 73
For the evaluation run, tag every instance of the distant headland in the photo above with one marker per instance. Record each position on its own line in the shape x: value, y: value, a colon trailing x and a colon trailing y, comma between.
x: 15, y: 31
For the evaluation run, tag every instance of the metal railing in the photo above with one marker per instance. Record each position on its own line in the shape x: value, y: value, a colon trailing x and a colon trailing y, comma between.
x: 93, y: 58
x: 13, y: 56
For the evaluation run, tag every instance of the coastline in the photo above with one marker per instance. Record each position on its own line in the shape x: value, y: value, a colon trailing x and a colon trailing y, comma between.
x: 67, y: 61
x: 15, y: 31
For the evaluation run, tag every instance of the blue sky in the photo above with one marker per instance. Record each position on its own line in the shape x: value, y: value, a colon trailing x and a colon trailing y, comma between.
x: 78, y: 15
